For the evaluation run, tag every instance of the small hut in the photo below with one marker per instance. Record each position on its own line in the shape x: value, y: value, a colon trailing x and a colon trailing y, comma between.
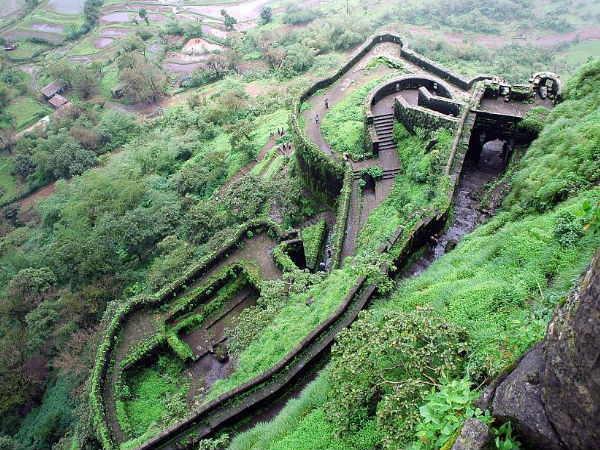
x: 55, y: 88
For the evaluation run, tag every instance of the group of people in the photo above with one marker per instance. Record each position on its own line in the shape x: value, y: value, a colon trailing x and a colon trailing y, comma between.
x: 280, y: 132
x: 285, y: 146
x: 317, y: 118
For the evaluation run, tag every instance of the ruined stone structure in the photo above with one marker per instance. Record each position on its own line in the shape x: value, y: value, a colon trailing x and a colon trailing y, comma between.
x: 428, y: 97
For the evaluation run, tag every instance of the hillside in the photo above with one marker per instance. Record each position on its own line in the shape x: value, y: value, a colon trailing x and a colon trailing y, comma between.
x: 249, y: 225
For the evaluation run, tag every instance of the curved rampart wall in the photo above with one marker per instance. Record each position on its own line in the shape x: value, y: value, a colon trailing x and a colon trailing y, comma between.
x: 105, y: 350
x: 402, y: 83
x: 442, y: 72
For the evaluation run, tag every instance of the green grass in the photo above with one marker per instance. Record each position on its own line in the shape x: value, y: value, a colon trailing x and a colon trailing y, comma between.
x: 580, y: 53
x: 110, y: 79
x: 421, y: 184
x: 500, y: 283
x: 343, y: 125
x: 312, y: 239
x: 151, y: 389
x: 86, y: 47
x: 274, y: 167
x: 25, y: 51
x: 27, y: 111
x: 303, y: 425
x: 257, y: 170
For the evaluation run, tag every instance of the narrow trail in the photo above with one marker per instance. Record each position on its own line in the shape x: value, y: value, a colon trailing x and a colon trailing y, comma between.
x: 244, y: 170
x: 361, y: 203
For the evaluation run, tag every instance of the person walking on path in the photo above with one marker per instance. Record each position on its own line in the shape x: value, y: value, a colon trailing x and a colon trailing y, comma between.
x: 326, y: 104
x: 317, y: 119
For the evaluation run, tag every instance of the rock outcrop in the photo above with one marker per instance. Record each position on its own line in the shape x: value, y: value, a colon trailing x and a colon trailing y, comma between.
x: 552, y: 397
x: 518, y: 399
x: 571, y: 379
x: 474, y: 435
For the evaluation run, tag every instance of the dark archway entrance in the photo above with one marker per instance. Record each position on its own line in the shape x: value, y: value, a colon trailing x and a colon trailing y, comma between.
x: 489, y: 153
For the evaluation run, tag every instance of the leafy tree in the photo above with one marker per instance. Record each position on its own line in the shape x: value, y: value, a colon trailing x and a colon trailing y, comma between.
x: 70, y: 159
x: 144, y: 15
x: 298, y: 59
x: 116, y: 129
x: 17, y: 388
x: 135, y: 43
x: 240, y: 138
x: 266, y: 15
x: 228, y: 20
x: 85, y: 80
x: 173, y: 26
x: 296, y: 15
x: 23, y: 165
x: 26, y: 290
x: 193, y: 29
x: 144, y: 81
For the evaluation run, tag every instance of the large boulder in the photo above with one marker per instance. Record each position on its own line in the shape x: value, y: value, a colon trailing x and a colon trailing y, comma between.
x: 474, y: 435
x: 570, y: 384
x: 552, y: 397
x: 518, y: 399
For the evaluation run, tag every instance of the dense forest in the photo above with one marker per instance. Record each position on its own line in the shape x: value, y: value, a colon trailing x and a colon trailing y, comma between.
x: 183, y: 124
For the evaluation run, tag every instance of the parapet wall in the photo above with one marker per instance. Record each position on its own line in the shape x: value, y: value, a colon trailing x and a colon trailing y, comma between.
x: 418, y: 117
x: 402, y: 83
x: 438, y: 104
x: 442, y: 72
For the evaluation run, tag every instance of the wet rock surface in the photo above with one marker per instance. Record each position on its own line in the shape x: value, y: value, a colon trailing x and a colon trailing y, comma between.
x: 571, y: 379
x: 552, y: 397
x: 518, y: 400
x: 474, y: 435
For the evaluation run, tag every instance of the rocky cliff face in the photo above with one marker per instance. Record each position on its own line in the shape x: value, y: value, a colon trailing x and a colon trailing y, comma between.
x: 552, y: 397
x: 571, y: 378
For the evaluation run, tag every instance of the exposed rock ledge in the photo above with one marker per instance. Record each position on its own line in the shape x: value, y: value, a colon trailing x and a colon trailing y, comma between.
x: 552, y: 397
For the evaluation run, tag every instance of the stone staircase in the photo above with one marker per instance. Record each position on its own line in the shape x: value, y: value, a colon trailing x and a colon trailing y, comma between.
x: 387, y: 174
x: 384, y: 127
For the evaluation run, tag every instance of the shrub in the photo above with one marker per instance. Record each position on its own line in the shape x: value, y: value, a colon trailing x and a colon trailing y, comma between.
x: 444, y: 413
x: 384, y: 365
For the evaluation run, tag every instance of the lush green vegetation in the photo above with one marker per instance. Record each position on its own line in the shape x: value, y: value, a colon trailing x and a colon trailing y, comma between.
x: 343, y: 126
x: 313, y: 238
x: 424, y: 185
x: 141, y: 196
x: 155, y: 393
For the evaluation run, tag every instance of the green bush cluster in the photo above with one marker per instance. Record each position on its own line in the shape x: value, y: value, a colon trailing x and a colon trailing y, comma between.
x: 385, y: 365
x: 313, y: 238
